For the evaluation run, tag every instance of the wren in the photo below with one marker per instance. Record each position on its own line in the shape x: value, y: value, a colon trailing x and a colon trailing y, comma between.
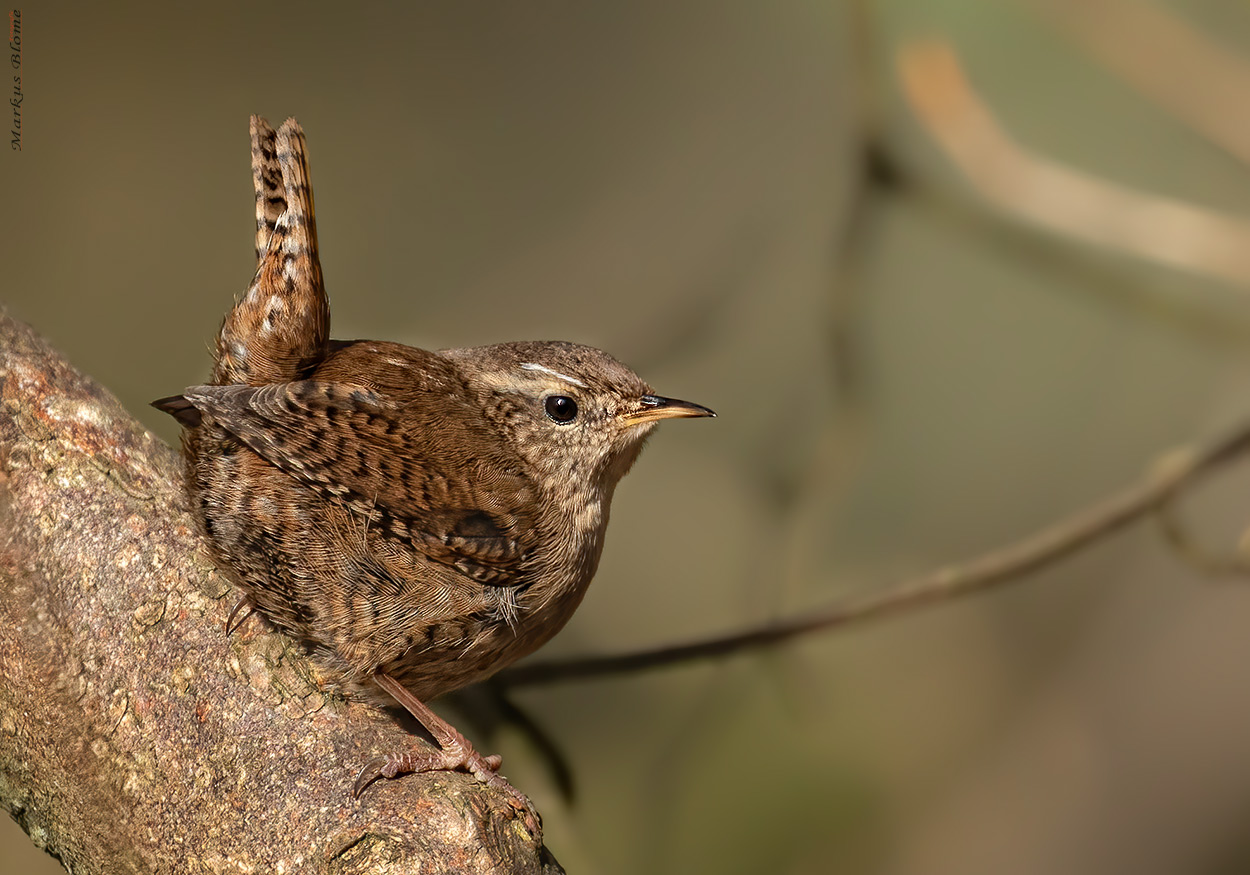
x: 419, y: 519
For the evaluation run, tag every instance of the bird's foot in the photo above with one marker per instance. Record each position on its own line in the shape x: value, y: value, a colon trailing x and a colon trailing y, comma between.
x: 454, y: 753
x: 464, y: 759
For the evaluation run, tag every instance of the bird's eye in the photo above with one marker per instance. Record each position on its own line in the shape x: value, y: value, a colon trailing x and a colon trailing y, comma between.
x: 561, y: 408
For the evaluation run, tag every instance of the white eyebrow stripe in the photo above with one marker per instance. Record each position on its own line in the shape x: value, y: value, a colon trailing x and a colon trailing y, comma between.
x: 530, y: 366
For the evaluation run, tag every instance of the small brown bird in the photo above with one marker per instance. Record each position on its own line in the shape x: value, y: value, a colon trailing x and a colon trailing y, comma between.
x: 421, y: 519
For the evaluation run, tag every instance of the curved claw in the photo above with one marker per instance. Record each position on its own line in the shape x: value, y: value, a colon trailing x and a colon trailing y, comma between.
x: 370, y: 772
x: 231, y: 625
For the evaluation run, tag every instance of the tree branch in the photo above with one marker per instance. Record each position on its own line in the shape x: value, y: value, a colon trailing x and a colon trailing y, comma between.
x: 134, y: 735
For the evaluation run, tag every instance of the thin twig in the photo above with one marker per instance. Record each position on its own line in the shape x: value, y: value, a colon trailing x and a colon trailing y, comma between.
x: 1165, y: 479
x: 1209, y: 563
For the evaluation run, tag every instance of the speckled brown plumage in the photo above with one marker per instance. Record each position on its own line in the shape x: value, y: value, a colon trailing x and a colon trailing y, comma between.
x: 421, y: 519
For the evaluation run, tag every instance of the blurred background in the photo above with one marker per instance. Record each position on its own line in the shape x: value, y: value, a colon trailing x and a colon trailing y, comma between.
x: 948, y: 271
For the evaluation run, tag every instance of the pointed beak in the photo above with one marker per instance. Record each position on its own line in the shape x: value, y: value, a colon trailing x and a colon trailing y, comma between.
x: 652, y: 408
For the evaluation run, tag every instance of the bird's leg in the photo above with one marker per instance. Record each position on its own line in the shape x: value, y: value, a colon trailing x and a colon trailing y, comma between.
x: 455, y: 753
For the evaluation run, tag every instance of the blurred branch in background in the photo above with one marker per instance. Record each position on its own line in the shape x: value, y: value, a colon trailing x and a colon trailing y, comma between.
x: 1208, y: 562
x: 1035, y: 189
x: 1180, y: 69
x: 1168, y: 477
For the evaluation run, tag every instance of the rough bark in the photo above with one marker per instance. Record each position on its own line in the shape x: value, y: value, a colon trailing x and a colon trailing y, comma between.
x: 135, y: 736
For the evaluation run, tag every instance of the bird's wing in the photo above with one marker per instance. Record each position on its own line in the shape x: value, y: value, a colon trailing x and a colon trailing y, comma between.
x: 425, y: 469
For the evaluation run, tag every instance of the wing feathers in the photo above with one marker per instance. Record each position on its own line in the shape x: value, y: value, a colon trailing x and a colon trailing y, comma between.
x: 418, y: 470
